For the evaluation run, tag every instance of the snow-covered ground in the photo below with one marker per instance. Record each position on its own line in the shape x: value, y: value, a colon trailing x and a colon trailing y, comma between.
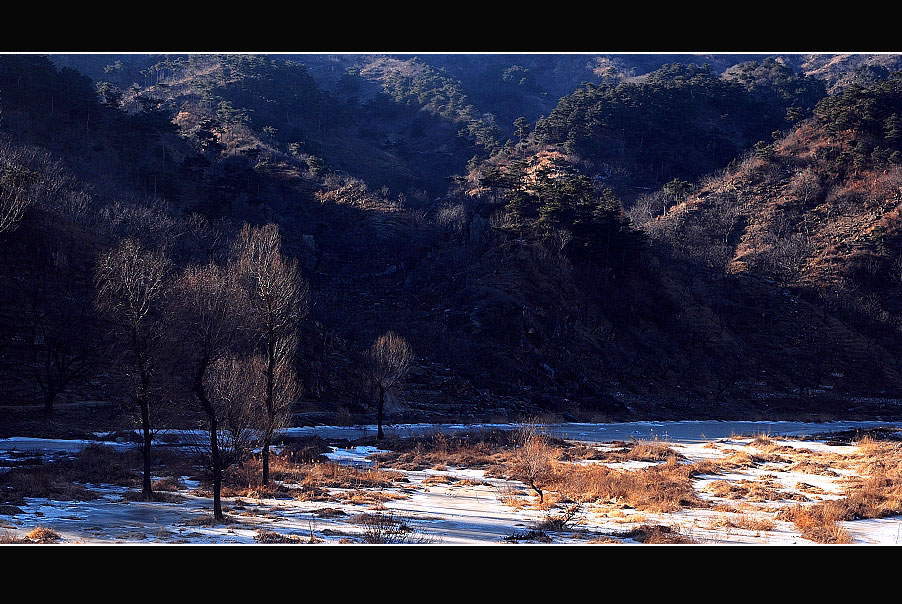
x: 453, y: 506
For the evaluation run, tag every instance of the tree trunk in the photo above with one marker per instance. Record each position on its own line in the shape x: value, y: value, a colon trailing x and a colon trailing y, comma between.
x: 217, y: 473
x: 537, y: 490
x: 266, y: 461
x: 48, y: 403
x: 215, y: 461
x: 268, y: 402
x: 147, y: 490
x: 380, y: 435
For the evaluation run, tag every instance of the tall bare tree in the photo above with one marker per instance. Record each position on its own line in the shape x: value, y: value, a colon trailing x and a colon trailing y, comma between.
x: 208, y: 321
x: 278, y: 297
x: 131, y: 285
x: 387, y: 362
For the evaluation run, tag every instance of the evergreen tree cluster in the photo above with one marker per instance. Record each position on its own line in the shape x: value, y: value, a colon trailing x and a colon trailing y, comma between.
x: 556, y: 200
x: 680, y: 121
x: 869, y: 118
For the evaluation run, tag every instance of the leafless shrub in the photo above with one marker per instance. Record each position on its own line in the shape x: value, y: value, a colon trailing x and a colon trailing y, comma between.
x: 805, y: 185
x: 533, y: 460
x: 648, y: 207
x: 383, y: 528
x: 561, y: 521
x: 502, y: 220
x: 454, y: 218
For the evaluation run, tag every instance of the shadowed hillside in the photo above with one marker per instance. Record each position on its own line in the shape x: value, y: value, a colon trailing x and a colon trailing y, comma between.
x: 671, y: 241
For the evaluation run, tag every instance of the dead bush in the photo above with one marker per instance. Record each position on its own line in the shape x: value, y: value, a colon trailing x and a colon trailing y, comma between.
x: 562, y: 520
x: 537, y: 536
x: 43, y: 534
x: 381, y: 528
x: 265, y: 536
x: 657, y: 534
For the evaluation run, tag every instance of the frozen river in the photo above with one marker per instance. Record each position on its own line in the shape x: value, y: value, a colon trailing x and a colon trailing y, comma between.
x: 682, y: 431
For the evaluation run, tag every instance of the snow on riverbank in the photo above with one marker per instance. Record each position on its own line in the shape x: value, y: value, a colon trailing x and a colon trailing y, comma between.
x: 460, y: 506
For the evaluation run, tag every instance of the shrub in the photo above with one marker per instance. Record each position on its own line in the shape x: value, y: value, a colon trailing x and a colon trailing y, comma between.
x: 42, y: 534
x: 383, y: 528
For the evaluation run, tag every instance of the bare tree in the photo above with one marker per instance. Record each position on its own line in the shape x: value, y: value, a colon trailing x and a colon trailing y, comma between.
x: 454, y: 219
x: 207, y: 321
x: 15, y: 197
x: 56, y: 323
x: 233, y: 385
x: 278, y: 297
x: 387, y: 362
x: 532, y: 462
x: 131, y: 284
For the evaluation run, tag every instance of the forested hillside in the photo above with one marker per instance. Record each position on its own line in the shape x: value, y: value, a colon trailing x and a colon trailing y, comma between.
x: 634, y: 236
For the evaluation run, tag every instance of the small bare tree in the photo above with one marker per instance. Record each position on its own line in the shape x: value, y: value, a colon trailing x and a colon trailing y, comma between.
x: 532, y: 462
x: 131, y: 285
x: 387, y: 362
x: 278, y: 297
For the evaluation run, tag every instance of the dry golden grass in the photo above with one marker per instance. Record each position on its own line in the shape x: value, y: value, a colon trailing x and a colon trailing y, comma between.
x: 469, y: 482
x: 338, y: 476
x: 750, y: 522
x: 763, y: 489
x: 816, y: 523
x: 43, y: 534
x: 619, y: 516
x: 305, y: 481
x: 811, y: 489
x: 512, y: 496
x: 40, y: 534
x: 641, y: 450
x: 477, y: 450
x: 8, y: 537
x: 875, y: 494
x: 371, y: 497
x: 810, y: 466
x: 662, y: 488
x: 170, y: 483
x: 745, y: 521
x: 438, y: 479
x: 49, y: 481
